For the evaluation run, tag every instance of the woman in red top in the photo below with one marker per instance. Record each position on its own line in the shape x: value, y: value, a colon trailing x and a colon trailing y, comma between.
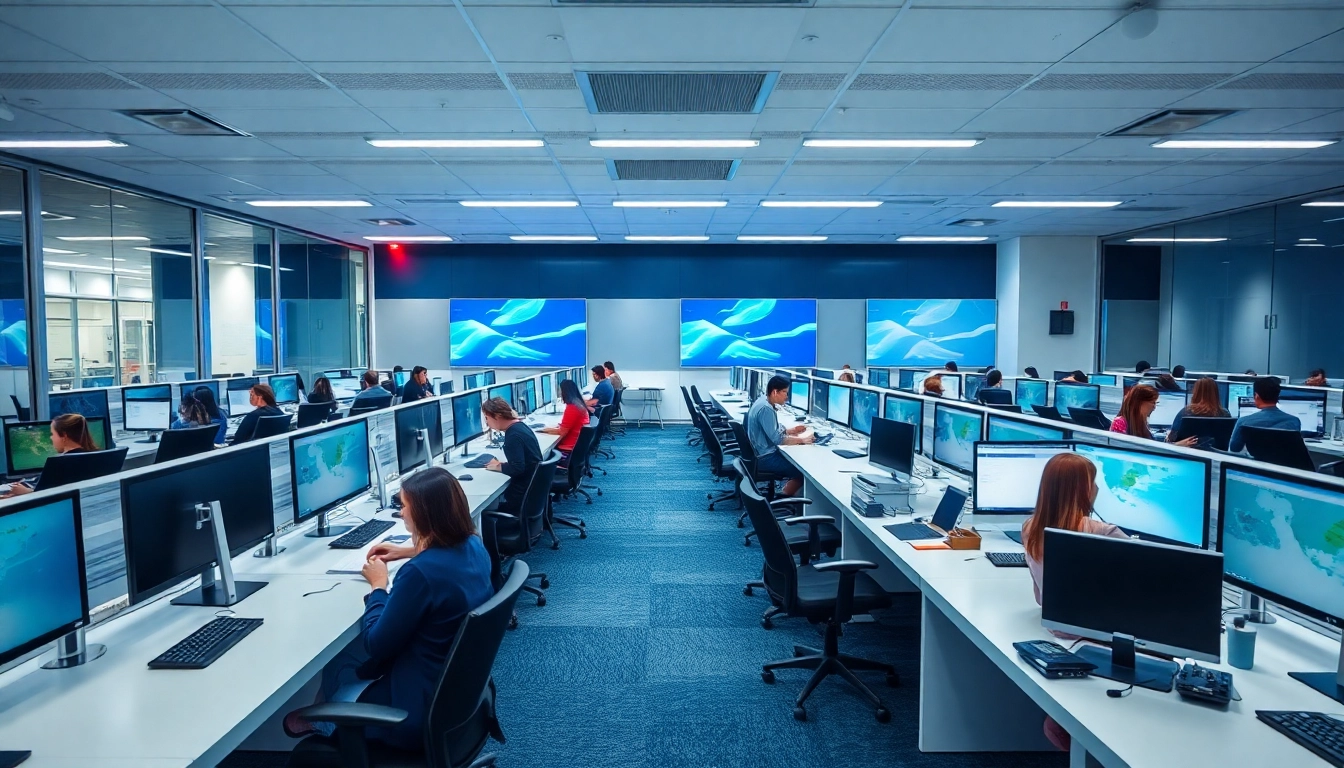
x: 574, y: 418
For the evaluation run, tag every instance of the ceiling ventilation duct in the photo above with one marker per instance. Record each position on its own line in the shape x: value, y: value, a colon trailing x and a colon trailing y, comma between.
x: 672, y: 170
x: 686, y: 93
x: 183, y: 122
x: 1171, y: 121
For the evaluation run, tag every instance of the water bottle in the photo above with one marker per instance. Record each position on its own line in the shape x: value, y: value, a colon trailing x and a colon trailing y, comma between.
x: 1337, y: 434
x: 1241, y: 644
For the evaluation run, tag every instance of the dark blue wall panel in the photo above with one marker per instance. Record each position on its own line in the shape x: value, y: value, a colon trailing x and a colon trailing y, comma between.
x: 674, y: 272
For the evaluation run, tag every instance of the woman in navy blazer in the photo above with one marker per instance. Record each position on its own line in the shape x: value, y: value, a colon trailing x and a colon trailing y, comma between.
x: 406, y: 632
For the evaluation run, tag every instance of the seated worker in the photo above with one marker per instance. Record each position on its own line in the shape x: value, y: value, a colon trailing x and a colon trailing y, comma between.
x: 1316, y: 378
x: 206, y: 397
x: 1139, y: 404
x: 522, y: 452
x: 1142, y: 367
x: 933, y: 386
x: 1268, y: 415
x: 322, y: 393
x: 951, y: 367
x: 1167, y: 383
x: 262, y: 398
x: 69, y: 434
x: 766, y: 435
x: 574, y: 419
x: 406, y: 633
x: 846, y: 375
x: 1076, y: 377
x: 1064, y: 501
x: 370, y: 394
x: 1251, y: 372
x: 613, y: 376
x: 190, y: 413
x: 1178, y: 372
x: 603, y: 392
x: 417, y: 387
x: 993, y: 380
x: 1031, y: 372
x: 391, y: 384
x: 1204, y: 401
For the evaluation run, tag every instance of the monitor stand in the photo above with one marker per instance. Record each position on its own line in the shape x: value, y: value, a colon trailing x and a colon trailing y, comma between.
x: 225, y: 591
x: 153, y: 438
x: 1329, y: 683
x: 11, y: 759
x: 71, y: 651
x: 1122, y: 664
x: 324, y: 530
x: 1254, y: 610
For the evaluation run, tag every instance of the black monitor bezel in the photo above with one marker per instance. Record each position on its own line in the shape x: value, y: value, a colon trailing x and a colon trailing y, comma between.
x: 97, y: 391
x: 489, y: 377
x: 452, y: 403
x: 1017, y: 394
x: 401, y: 413
x: 546, y: 379
x: 133, y: 387
x: 1065, y: 434
x: 1208, y: 490
x: 914, y: 447
x: 919, y: 423
x: 294, y: 475
x: 975, y: 472
x: 933, y: 447
x: 819, y: 385
x: 24, y: 648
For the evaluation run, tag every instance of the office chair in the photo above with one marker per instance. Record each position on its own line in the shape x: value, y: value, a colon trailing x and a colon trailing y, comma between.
x: 356, y: 408
x: 176, y: 443
x: 758, y: 478
x: 461, y: 717
x: 693, y: 435
x: 68, y: 468
x: 707, y: 406
x: 1217, y: 428
x: 593, y: 450
x: 312, y: 414
x: 513, y: 534
x: 616, y: 428
x: 721, y: 457
x: 270, y: 426
x: 1047, y: 412
x: 604, y: 416
x: 1284, y: 447
x: 830, y: 592
x: 1089, y: 417
x: 570, y: 482
x: 995, y: 396
x: 1005, y: 408
x: 20, y: 410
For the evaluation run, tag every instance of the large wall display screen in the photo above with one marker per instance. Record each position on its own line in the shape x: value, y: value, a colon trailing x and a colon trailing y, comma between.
x: 716, y: 333
x: 518, y: 333
x: 914, y: 332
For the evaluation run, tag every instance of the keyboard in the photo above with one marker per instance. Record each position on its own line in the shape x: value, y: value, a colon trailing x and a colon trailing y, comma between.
x: 1007, y: 559
x: 845, y: 453
x: 200, y: 649
x: 1318, y: 732
x: 913, y: 531
x: 479, y: 461
x: 361, y: 536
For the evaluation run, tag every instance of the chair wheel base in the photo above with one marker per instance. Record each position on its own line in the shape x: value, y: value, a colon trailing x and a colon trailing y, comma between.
x: 883, y: 715
x: 599, y: 493
x: 555, y: 545
x: 800, y: 714
x: 746, y: 541
x: 541, y: 602
x: 740, y: 524
x: 513, y: 621
x: 893, y: 681
x: 583, y: 534
x: 768, y: 677
x: 545, y: 584
x: 747, y: 591
x: 767, y: 624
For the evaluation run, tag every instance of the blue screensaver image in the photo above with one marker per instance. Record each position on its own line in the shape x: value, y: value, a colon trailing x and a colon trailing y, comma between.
x: 39, y: 573
x: 724, y: 332
x: 914, y: 332
x: 518, y: 333
x: 13, y: 334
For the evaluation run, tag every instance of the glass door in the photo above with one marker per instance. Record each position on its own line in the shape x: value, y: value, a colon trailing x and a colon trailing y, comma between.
x: 96, y: 343
x: 1308, y: 284
x: 135, y: 319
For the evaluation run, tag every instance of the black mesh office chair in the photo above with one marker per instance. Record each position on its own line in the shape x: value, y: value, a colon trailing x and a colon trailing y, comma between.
x: 270, y: 426
x: 692, y: 436
x: 312, y: 414
x: 67, y: 468
x: 995, y: 396
x: 1284, y: 447
x: 1010, y: 408
x: 461, y: 717
x: 369, y: 404
x: 1089, y: 417
x: 831, y: 592
x: 1217, y: 430
x: 617, y: 425
x: 1047, y: 412
x: 569, y: 481
x: 176, y: 443
x: 764, y: 481
x: 22, y: 411
x: 721, y: 458
x: 604, y: 415
x: 512, y: 534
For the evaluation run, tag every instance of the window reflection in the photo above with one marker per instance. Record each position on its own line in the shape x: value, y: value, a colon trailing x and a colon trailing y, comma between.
x: 14, y: 387
x: 237, y: 288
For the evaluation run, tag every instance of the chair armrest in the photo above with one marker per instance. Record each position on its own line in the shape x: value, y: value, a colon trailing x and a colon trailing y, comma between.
x: 814, y: 523
x: 499, y: 515
x: 813, y: 520
x: 845, y: 566
x: 348, y: 713
x: 790, y: 500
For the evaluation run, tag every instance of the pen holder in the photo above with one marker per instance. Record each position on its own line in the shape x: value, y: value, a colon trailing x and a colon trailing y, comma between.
x: 963, y: 538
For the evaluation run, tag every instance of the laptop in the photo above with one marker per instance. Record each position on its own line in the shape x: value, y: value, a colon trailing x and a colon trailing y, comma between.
x: 944, y: 519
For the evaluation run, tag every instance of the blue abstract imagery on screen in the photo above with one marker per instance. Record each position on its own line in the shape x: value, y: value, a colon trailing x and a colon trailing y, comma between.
x: 518, y: 333
x: 13, y: 334
x: 915, y: 332
x: 725, y: 332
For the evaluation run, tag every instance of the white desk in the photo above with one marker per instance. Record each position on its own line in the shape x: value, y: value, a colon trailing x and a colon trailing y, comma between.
x: 976, y: 695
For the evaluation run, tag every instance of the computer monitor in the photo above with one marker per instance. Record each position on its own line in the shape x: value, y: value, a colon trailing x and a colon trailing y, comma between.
x: 43, y: 592
x: 1029, y: 392
x: 239, y: 392
x: 1168, y: 405
x: 1103, y: 379
x: 879, y: 377
x: 837, y: 404
x: 190, y: 387
x: 488, y: 377
x: 800, y: 394
x: 89, y: 403
x: 147, y: 408
x: 822, y: 373
x: 1068, y: 395
x: 951, y: 384
x: 1232, y: 393
x: 1158, y: 598
x: 286, y: 388
x: 342, y: 388
x: 399, y: 379
x: 1008, y: 475
x: 28, y: 444
x: 974, y: 382
x: 909, y: 410
x: 1159, y: 496
x: 1001, y: 429
x: 1308, y: 405
x: 955, y: 432
x: 864, y: 406
x: 564, y: 376
x: 504, y: 391
x: 471, y: 381
x: 468, y: 423
x: 907, y: 378
x: 821, y: 397
x: 165, y: 545
x: 891, y: 447
x: 547, y: 389
x: 410, y: 422
x: 527, y: 396
x: 328, y: 467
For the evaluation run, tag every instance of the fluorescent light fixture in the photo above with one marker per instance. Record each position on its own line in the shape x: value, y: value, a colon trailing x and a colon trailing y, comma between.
x: 939, y: 239
x: 519, y: 203
x: 88, y: 267
x: 667, y: 238
x: 781, y: 238
x: 553, y: 238
x: 109, y: 258
x: 168, y: 251
x: 60, y: 144
x: 209, y: 258
x: 58, y: 250
x: 309, y: 203
x: 456, y: 143
x: 20, y: 213
x: 1324, y: 204
x: 101, y: 239
x: 820, y: 203
x: 1176, y: 240
x: 670, y: 203
x: 410, y: 239
x: 1309, y: 245
x: 1243, y: 144
x: 891, y: 143
x: 1057, y: 203
x: 1306, y: 239
x: 674, y: 143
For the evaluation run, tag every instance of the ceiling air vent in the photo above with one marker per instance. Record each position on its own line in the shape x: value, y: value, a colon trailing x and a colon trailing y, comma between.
x: 390, y: 222
x: 672, y: 170
x: 973, y: 222
x: 183, y: 122
x: 693, y: 93
x: 1171, y: 121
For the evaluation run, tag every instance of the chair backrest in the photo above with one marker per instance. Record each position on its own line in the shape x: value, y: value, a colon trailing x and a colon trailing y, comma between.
x: 600, y: 421
x: 780, y: 573
x: 77, y: 467
x: 532, y: 511
x: 461, y: 715
x: 270, y: 426
x: 1219, y: 428
x: 1010, y: 408
x: 996, y: 396
x: 21, y: 410
x: 578, y: 458
x: 686, y: 395
x: 695, y: 395
x: 744, y: 470
x: 744, y: 446
x: 312, y: 414
x: 1047, y: 412
x: 1284, y: 447
x: 616, y: 403
x: 176, y: 443
x: 1089, y: 417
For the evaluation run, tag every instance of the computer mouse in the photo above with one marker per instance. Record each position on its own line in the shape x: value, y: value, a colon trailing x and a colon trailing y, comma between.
x: 464, y: 478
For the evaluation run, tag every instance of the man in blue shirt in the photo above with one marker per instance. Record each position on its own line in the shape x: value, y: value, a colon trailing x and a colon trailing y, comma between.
x: 766, y: 435
x: 1268, y: 416
x: 417, y: 387
x: 372, y: 396
x: 603, y: 392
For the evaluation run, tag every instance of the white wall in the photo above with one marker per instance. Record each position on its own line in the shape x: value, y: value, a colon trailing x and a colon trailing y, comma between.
x: 233, y: 309
x: 842, y: 332
x: 1034, y: 275
x: 411, y: 332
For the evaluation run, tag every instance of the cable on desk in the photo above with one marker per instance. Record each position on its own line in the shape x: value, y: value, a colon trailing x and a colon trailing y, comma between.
x: 224, y: 613
x: 322, y: 591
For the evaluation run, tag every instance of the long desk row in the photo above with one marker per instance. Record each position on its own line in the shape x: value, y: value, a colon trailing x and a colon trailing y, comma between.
x: 976, y: 694
x: 115, y: 711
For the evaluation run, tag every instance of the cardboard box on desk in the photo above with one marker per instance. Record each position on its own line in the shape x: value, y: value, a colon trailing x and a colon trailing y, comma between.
x: 963, y: 538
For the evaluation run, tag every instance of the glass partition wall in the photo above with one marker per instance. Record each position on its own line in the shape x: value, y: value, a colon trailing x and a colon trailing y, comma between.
x: 1253, y: 290
x: 15, y: 377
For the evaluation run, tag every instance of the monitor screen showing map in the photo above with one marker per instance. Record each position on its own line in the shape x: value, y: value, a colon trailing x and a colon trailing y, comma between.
x: 42, y: 588
x: 955, y: 432
x: 1158, y: 496
x: 28, y: 444
x: 328, y: 468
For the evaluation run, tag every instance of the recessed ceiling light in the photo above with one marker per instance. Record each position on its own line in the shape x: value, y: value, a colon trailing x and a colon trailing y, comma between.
x: 45, y: 215
x: 1057, y: 203
x: 100, y: 239
x: 892, y: 143
x: 50, y: 263
x: 1324, y: 204
x: 939, y: 239
x: 519, y: 203
x: 410, y: 239
x: 781, y: 238
x: 1242, y: 144
x: 58, y: 250
x: 309, y: 203
x: 820, y: 203
x: 109, y: 258
x: 456, y: 143
x: 675, y: 143
x: 669, y: 203
x: 1176, y: 240
x: 164, y: 250
x: 667, y: 238
x: 1306, y: 239
x: 554, y: 238
x: 60, y: 144
x: 1309, y: 245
